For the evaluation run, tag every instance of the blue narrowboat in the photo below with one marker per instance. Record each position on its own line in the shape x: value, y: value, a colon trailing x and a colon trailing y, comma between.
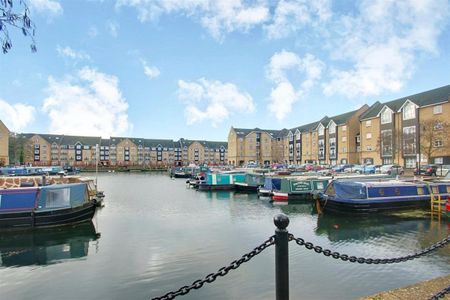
x: 370, y: 196
x: 45, y: 206
x: 270, y: 184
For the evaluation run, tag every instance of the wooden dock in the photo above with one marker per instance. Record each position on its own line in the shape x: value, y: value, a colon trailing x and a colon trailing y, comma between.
x: 420, y: 291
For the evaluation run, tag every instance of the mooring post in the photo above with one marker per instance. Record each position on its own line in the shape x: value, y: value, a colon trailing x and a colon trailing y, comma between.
x: 281, y: 257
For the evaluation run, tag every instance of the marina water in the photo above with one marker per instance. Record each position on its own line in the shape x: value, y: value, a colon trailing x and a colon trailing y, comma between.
x: 156, y: 235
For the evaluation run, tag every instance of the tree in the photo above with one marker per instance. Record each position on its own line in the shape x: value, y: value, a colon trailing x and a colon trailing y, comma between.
x: 16, y: 16
x: 433, y: 134
x: 20, y: 148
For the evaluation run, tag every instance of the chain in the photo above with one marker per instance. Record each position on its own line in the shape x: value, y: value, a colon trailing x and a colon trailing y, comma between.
x: 362, y: 260
x: 441, y: 294
x: 221, y: 272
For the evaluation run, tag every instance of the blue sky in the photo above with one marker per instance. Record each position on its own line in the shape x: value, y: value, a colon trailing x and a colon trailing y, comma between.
x: 194, y: 68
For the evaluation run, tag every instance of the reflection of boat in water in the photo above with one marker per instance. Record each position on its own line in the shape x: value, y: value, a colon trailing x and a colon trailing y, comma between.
x: 304, y: 208
x: 46, y: 246
x: 341, y: 227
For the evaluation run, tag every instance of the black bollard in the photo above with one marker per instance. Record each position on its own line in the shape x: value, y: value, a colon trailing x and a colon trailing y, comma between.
x: 281, y: 257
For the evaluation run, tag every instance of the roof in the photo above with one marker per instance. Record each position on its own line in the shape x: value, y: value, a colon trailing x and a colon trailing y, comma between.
x: 84, y: 140
x: 343, y: 118
x: 3, y: 125
x: 242, y: 132
x: 430, y: 97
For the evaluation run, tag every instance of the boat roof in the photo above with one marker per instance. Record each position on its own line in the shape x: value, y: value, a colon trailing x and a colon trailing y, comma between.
x: 390, y: 183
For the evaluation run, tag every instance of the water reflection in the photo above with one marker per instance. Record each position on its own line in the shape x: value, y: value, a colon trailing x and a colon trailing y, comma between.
x: 219, y: 195
x: 46, y: 246
x: 342, y: 228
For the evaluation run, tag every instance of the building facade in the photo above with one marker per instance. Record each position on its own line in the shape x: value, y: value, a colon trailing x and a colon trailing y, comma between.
x: 407, y: 131
x: 82, y: 151
x: 4, y: 144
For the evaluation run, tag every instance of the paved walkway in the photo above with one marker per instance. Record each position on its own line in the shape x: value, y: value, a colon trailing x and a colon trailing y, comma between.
x: 423, y: 290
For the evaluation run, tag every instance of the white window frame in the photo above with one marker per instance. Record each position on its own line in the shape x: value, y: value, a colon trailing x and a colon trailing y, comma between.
x: 437, y: 109
x: 368, y: 136
x: 386, y: 116
x: 332, y: 128
x: 409, y: 111
x: 344, y: 138
x: 368, y: 123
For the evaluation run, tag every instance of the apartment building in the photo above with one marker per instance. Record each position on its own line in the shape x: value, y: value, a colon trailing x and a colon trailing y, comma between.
x: 408, y: 131
x: 4, y: 144
x: 50, y: 149
x: 256, y: 145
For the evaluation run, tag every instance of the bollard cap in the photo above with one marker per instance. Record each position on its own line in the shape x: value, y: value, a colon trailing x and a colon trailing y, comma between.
x: 281, y: 221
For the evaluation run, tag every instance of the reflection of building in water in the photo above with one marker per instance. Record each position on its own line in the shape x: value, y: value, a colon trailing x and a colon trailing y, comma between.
x: 344, y: 227
x: 220, y: 195
x: 46, y: 246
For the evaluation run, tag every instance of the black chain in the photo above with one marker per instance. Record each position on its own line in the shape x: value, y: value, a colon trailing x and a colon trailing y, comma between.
x: 441, y: 294
x: 362, y: 260
x: 221, y: 272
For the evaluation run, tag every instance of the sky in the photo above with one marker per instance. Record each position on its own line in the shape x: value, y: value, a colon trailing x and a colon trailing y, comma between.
x: 193, y: 68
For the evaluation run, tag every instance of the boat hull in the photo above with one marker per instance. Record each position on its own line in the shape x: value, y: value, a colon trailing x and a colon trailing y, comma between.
x: 262, y: 192
x: 216, y: 187
x: 366, y: 207
x: 47, y: 218
x: 245, y: 188
x: 278, y: 197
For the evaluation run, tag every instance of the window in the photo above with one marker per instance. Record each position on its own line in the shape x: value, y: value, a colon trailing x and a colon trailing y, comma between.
x: 321, y: 129
x: 409, y: 140
x: 386, y: 142
x: 438, y: 143
x: 368, y: 135
x: 57, y: 198
x: 410, y: 163
x: 332, y: 128
x: 439, y: 161
x: 386, y: 116
x: 298, y: 136
x: 344, y: 128
x: 368, y: 123
x: 344, y: 138
x: 409, y: 111
x: 344, y: 150
x: 437, y: 109
x: 369, y: 148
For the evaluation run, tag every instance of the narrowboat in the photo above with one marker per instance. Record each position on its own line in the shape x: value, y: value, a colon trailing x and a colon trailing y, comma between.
x: 251, y: 183
x: 298, y: 189
x: 374, y: 196
x: 220, y: 181
x: 197, y: 180
x: 45, y: 206
x: 270, y: 184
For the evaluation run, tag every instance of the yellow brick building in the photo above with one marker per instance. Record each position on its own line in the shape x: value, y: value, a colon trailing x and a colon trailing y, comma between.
x: 4, y: 144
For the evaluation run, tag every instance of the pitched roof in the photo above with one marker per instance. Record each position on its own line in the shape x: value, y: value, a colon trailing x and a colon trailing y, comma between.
x: 3, y: 125
x: 84, y: 140
x: 156, y: 142
x: 343, y: 118
x: 242, y: 132
x: 430, y: 97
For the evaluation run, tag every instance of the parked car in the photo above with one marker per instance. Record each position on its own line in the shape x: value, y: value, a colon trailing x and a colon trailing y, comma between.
x: 392, y: 169
x: 341, y: 167
x: 364, y: 169
x: 429, y: 170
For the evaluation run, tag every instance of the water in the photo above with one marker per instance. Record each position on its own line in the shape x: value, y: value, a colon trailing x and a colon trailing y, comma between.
x: 157, y: 236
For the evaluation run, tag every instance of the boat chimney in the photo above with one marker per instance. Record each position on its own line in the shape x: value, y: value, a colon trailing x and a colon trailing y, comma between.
x: 44, y: 180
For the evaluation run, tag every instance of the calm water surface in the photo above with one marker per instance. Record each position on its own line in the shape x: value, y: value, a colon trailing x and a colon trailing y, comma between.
x: 156, y: 236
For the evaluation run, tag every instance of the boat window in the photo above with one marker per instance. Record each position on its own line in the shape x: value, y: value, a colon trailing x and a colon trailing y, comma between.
x: 435, y: 189
x: 57, y: 198
x: 448, y: 189
x: 330, y: 190
x: 419, y: 190
x: 381, y: 192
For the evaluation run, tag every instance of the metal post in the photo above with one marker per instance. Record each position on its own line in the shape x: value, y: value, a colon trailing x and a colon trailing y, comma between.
x: 281, y: 257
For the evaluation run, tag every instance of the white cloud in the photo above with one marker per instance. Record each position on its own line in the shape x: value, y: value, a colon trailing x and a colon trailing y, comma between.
x: 89, y: 103
x: 217, y: 16
x: 16, y: 116
x: 212, y: 101
x: 291, y: 16
x: 72, y: 54
x: 113, y: 28
x: 53, y: 7
x: 285, y: 94
x: 382, y: 43
x: 150, y: 71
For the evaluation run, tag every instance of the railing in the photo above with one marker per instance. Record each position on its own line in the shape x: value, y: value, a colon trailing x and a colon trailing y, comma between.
x: 281, y: 241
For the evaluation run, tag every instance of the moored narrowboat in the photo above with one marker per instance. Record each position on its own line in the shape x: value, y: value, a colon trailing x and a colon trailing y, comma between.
x: 218, y: 182
x: 270, y: 184
x: 370, y: 196
x: 251, y: 183
x: 299, y: 189
x: 45, y: 206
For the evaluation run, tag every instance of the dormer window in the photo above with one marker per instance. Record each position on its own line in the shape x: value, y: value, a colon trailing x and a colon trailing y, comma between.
x: 409, y: 111
x: 321, y: 129
x: 332, y: 128
x: 386, y: 116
